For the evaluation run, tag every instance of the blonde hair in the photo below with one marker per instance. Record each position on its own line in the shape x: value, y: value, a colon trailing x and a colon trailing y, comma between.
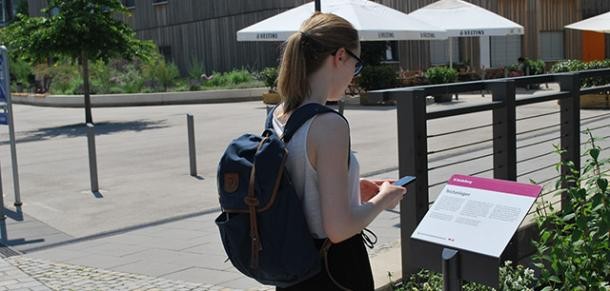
x: 304, y: 53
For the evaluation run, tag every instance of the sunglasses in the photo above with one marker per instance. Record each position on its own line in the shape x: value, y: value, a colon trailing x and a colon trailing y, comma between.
x: 359, y: 63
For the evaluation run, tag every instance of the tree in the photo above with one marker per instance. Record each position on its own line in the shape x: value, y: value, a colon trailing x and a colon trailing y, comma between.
x: 83, y: 30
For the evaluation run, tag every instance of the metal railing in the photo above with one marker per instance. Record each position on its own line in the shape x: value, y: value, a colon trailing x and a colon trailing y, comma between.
x: 414, y: 154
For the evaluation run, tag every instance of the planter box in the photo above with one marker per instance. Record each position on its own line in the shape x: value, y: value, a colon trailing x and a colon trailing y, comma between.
x: 371, y: 98
x: 271, y: 98
x: 443, y: 98
x: 595, y: 101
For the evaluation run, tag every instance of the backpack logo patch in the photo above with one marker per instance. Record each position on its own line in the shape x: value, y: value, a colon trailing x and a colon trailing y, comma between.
x: 231, y: 182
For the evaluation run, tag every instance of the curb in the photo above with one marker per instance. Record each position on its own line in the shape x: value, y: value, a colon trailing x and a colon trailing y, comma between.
x: 144, y: 99
x: 387, y: 261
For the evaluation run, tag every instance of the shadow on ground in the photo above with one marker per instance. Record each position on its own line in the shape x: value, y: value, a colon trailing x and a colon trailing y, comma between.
x: 80, y: 130
x: 4, y: 236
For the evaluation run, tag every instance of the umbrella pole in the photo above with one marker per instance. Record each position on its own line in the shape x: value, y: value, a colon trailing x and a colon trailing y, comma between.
x: 318, y: 5
x: 450, y: 52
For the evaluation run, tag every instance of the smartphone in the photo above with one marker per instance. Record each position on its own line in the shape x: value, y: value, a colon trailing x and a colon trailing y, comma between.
x: 404, y: 181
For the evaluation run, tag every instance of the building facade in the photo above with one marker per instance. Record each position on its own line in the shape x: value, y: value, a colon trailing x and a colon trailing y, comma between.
x: 10, y: 8
x: 204, y: 32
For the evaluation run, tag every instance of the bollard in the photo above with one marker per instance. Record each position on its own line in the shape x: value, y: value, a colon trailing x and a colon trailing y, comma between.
x: 92, y: 158
x: 191, y: 138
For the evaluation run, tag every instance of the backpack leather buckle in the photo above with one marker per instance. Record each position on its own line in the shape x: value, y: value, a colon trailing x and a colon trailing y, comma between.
x: 251, y: 201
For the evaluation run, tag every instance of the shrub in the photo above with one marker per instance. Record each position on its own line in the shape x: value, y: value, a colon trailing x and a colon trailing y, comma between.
x: 512, y: 278
x: 576, y: 65
x: 378, y: 77
x: 568, y: 66
x: 196, y: 70
x: 536, y: 67
x: 269, y: 77
x: 161, y: 73
x: 573, y: 250
x: 130, y: 79
x: 239, y: 76
x: 599, y: 81
x: 195, y: 73
x: 441, y: 75
x: 101, y: 75
x: 22, y: 71
x: 231, y: 78
x: 65, y: 78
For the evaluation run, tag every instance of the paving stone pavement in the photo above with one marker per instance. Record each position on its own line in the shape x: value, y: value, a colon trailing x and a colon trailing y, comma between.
x: 73, y: 277
x: 12, y: 278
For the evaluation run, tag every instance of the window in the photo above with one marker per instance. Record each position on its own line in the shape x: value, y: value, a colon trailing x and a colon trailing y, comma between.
x: 3, y: 14
x: 130, y: 4
x: 159, y: 2
x: 439, y: 51
x: 550, y: 46
x: 505, y: 50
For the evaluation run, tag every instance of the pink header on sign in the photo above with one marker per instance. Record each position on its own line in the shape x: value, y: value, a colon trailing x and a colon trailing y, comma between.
x: 496, y: 185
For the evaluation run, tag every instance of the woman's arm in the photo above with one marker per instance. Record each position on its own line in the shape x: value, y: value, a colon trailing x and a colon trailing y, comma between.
x: 328, y: 143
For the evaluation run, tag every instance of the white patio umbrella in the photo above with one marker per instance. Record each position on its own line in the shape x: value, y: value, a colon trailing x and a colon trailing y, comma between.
x: 372, y: 20
x: 463, y: 19
x: 599, y: 23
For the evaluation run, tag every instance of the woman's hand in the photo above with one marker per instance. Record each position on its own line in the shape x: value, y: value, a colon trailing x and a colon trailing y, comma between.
x: 391, y: 195
x: 370, y: 188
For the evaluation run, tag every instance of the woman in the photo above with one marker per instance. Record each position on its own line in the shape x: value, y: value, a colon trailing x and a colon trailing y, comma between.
x: 317, y: 65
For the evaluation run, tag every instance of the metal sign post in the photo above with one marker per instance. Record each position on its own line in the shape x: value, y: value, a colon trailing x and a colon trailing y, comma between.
x: 5, y: 96
x: 451, y: 270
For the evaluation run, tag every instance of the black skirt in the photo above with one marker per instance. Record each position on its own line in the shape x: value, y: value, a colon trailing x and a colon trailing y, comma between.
x: 348, y: 264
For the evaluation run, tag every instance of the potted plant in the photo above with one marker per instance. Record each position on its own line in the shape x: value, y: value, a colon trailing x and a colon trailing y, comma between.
x: 374, y: 78
x: 269, y: 77
x: 588, y: 101
x: 441, y: 75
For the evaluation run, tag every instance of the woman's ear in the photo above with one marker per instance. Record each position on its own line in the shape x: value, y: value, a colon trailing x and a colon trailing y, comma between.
x: 339, y: 56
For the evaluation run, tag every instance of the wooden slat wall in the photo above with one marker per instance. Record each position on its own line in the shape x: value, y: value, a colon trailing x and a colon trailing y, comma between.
x: 592, y: 8
x: 553, y: 15
x: 204, y: 30
x: 34, y: 6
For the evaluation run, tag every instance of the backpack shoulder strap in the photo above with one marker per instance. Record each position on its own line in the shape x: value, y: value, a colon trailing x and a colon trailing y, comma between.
x: 302, y: 115
x: 299, y: 117
x: 269, y: 120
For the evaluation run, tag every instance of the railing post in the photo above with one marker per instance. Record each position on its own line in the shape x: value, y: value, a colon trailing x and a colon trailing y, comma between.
x: 505, y: 144
x: 412, y: 161
x: 504, y: 130
x: 570, y: 125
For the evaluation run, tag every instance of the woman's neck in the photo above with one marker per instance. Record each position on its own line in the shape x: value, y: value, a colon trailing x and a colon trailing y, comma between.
x: 319, y: 84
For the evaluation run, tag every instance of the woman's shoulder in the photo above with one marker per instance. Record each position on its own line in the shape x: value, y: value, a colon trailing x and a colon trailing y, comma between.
x: 329, y: 127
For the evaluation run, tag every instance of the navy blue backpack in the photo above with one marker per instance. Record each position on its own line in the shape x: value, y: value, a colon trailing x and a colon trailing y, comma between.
x: 262, y: 224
